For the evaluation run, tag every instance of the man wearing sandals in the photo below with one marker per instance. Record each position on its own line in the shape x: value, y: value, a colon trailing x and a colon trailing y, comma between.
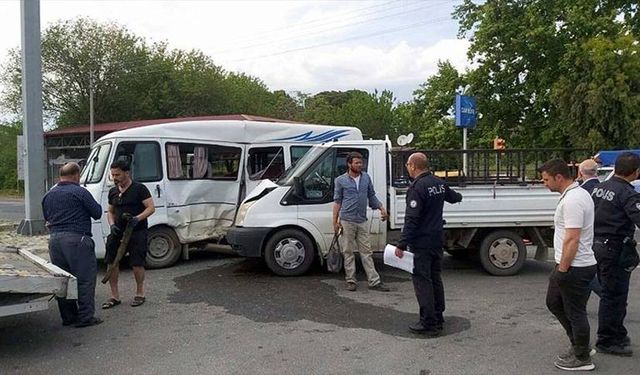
x: 68, y: 209
x: 127, y: 198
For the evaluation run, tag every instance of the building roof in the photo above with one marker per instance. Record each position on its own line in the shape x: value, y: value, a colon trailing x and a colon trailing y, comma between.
x: 115, y: 126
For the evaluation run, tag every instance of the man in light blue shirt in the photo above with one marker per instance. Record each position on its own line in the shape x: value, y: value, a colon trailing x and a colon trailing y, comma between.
x: 353, y: 190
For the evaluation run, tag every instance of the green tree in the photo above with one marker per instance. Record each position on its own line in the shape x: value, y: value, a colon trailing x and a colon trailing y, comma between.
x: 372, y: 113
x: 130, y: 79
x: 286, y: 107
x: 525, y: 55
x: 601, y: 96
x: 8, y: 154
x: 434, y: 109
x: 76, y: 56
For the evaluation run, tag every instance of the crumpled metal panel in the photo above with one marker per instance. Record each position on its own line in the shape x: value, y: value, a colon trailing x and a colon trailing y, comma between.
x: 201, y: 210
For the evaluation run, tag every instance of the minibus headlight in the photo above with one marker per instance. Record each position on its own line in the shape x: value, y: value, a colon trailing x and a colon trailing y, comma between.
x: 242, y: 212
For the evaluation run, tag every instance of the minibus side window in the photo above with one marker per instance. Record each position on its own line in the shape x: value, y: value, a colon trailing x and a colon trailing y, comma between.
x: 189, y: 161
x: 143, y: 159
x: 265, y: 163
x: 297, y: 152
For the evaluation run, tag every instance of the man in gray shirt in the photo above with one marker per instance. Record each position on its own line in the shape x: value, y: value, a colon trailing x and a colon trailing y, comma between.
x: 352, y: 192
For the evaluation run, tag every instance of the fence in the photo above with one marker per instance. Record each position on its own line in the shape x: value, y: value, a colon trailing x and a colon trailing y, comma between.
x: 501, y: 167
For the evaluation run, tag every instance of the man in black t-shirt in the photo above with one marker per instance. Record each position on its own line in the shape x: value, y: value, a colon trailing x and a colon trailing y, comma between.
x: 127, y: 198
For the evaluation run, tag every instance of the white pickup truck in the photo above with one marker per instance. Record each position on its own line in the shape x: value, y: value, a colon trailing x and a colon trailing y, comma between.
x: 504, y: 208
x: 28, y: 282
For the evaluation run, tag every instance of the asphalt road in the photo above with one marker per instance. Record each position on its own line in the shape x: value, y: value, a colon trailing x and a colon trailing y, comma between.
x: 223, y: 315
x: 11, y: 209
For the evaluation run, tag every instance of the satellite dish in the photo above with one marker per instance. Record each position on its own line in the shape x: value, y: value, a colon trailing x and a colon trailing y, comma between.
x: 402, y: 140
x: 409, y: 138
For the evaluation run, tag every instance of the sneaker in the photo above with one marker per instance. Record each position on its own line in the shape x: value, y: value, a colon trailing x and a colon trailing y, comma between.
x: 574, y: 364
x: 352, y: 287
x: 623, y: 351
x: 569, y: 353
x: 380, y: 287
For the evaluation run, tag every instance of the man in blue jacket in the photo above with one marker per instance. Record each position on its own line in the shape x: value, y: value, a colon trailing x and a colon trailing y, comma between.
x: 352, y: 192
x: 68, y: 209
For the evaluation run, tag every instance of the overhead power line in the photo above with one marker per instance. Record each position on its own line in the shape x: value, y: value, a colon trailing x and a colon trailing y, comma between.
x: 381, y: 32
x: 323, y: 31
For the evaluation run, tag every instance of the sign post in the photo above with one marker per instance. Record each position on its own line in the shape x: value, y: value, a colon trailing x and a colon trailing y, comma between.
x: 466, y: 119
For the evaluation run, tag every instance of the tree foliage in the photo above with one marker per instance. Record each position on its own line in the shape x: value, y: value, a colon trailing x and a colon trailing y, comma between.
x: 372, y: 113
x: 544, y: 72
x: 533, y: 62
x: 130, y: 79
x: 8, y: 154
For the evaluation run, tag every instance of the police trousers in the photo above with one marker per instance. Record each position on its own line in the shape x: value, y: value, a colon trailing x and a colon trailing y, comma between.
x: 75, y: 253
x: 427, y: 283
x: 615, y: 291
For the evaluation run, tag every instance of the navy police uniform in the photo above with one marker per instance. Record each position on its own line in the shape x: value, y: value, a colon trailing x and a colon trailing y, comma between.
x: 617, y: 212
x: 423, y: 233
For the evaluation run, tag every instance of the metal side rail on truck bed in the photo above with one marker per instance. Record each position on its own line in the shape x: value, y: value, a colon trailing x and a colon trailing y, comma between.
x: 28, y: 282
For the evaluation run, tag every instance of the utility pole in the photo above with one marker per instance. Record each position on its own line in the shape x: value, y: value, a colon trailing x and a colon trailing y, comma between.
x: 35, y: 171
x: 91, y: 121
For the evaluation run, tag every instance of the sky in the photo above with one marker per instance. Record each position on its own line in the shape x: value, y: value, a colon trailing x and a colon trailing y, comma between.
x: 306, y: 46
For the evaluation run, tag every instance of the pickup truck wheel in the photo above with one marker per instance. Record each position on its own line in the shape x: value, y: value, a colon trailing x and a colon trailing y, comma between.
x: 502, y: 253
x: 164, y: 247
x: 289, y: 252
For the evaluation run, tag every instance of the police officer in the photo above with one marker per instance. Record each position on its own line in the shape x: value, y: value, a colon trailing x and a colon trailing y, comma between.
x: 617, y: 212
x: 423, y: 232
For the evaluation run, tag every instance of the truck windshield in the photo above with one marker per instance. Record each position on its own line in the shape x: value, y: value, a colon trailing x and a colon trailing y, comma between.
x: 97, y: 162
x: 302, y: 165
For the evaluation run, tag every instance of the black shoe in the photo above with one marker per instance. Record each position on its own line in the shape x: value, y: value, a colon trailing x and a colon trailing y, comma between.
x: 420, y: 329
x: 352, y: 287
x: 91, y: 322
x: 69, y: 323
x: 380, y: 287
x: 619, y: 350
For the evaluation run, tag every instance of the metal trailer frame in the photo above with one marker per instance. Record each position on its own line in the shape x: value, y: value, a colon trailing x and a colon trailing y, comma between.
x: 25, y: 292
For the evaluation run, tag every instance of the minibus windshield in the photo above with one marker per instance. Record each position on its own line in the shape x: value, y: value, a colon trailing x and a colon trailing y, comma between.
x: 302, y: 165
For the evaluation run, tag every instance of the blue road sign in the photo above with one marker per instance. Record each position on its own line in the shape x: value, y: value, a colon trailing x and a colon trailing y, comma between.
x: 466, y: 111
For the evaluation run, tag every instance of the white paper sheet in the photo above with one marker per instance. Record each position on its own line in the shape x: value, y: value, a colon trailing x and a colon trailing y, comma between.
x: 405, y: 263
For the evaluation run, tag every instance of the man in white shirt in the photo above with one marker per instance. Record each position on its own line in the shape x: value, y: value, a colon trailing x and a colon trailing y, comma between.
x: 569, y: 290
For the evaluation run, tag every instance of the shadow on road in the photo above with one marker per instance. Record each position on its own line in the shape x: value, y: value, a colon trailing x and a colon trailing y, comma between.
x: 248, y: 289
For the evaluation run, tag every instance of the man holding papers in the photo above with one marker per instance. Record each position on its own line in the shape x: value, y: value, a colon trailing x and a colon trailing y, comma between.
x: 423, y: 233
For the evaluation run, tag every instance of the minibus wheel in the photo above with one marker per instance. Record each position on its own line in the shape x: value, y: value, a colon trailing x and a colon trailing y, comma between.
x: 289, y: 252
x: 164, y: 247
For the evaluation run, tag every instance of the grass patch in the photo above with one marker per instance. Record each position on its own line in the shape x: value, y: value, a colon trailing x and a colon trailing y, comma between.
x: 11, y: 194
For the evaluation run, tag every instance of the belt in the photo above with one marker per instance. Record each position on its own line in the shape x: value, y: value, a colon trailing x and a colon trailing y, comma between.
x: 89, y: 234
